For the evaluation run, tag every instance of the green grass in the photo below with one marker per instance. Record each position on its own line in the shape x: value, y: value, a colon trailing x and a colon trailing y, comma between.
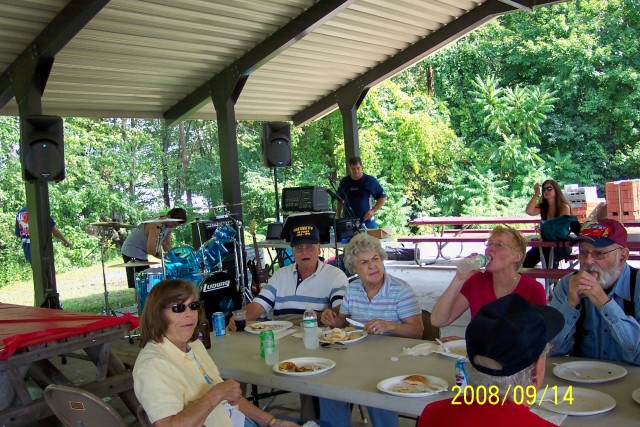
x: 80, y: 290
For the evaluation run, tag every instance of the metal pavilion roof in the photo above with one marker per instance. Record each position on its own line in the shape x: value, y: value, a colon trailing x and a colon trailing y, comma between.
x: 162, y: 58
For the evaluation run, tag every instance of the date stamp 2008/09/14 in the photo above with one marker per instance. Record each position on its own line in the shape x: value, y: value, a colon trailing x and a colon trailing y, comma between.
x: 519, y: 395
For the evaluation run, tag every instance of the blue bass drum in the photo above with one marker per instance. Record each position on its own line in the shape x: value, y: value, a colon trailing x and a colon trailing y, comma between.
x: 219, y: 292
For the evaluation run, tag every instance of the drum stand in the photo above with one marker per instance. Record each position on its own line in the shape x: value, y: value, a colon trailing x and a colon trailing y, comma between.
x: 107, y: 309
x: 238, y: 247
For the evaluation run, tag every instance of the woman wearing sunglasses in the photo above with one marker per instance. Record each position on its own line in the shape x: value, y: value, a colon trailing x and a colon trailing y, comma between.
x: 175, y: 379
x: 505, y: 249
x: 552, y: 204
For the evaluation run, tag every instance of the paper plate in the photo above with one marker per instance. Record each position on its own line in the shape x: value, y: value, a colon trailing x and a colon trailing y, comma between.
x: 317, y: 364
x: 585, y: 402
x: 271, y: 325
x: 636, y: 395
x: 397, y: 387
x: 591, y: 371
x: 458, y: 347
x: 357, y: 336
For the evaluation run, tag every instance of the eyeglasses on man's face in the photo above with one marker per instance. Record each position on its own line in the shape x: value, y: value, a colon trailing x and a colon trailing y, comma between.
x: 304, y: 247
x: 181, y: 307
x: 496, y: 245
x: 547, y: 188
x: 597, y: 255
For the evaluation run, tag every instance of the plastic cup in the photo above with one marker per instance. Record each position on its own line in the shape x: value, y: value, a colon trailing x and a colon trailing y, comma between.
x: 241, y: 319
x: 272, y: 355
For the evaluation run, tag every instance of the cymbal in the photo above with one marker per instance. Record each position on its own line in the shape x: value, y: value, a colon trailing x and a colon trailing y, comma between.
x: 112, y: 224
x: 134, y: 263
x: 160, y: 220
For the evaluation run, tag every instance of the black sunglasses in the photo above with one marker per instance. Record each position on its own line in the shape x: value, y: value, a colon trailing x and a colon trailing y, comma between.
x: 548, y: 188
x: 180, y: 308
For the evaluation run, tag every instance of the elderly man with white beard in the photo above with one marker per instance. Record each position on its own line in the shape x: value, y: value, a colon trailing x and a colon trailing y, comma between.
x: 600, y: 303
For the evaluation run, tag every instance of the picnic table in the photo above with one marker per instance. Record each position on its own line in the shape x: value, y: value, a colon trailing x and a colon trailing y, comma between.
x: 461, y: 235
x: 31, y: 337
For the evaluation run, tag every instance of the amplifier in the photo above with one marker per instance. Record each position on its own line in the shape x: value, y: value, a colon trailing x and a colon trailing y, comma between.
x: 201, y: 231
x: 305, y: 199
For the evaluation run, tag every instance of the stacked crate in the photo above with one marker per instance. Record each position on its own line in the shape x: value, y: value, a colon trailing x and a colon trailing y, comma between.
x: 583, y: 200
x: 623, y: 199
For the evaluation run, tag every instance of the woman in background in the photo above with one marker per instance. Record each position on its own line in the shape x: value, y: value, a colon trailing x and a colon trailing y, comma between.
x: 553, y: 204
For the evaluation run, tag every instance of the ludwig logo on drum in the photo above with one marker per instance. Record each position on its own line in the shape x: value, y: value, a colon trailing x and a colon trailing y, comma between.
x: 208, y: 287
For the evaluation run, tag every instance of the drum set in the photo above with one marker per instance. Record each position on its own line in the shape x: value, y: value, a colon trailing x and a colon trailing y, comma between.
x: 207, y: 267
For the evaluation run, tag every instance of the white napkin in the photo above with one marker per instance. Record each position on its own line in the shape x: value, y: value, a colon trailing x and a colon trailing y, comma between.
x: 552, y: 417
x: 422, y: 349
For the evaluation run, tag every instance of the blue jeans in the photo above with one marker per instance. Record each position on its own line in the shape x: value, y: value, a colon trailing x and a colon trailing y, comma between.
x: 338, y: 414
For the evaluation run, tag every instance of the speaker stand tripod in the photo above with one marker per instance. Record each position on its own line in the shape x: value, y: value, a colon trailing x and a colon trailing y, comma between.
x: 102, y: 237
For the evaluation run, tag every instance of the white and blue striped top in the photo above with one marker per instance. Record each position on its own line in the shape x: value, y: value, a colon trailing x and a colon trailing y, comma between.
x: 395, y: 301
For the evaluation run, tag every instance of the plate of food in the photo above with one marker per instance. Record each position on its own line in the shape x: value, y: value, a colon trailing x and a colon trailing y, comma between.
x: 580, y: 402
x: 413, y: 385
x: 304, y: 366
x: 345, y: 336
x: 590, y: 372
x: 270, y: 325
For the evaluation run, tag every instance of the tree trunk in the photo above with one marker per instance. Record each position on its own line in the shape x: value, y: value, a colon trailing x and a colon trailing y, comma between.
x: 430, y: 81
x: 185, y: 163
x: 165, y: 172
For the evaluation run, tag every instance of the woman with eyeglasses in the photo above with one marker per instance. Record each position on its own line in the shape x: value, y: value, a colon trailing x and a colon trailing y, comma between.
x: 505, y: 249
x: 552, y: 204
x: 175, y: 379
x: 385, y: 305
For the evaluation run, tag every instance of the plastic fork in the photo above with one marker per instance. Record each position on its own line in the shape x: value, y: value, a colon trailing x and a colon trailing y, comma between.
x: 444, y: 347
x: 573, y: 371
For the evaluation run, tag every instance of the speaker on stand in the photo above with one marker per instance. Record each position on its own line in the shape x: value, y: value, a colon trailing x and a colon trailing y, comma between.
x: 42, y: 148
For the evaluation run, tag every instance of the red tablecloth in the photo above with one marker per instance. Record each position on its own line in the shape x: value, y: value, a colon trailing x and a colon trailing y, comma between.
x: 22, y: 326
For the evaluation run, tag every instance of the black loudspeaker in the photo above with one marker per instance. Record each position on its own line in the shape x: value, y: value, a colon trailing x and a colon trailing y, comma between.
x: 42, y: 148
x: 276, y: 145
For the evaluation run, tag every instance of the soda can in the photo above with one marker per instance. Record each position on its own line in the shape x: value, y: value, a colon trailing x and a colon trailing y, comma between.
x: 461, y: 374
x: 219, y: 327
x: 267, y: 341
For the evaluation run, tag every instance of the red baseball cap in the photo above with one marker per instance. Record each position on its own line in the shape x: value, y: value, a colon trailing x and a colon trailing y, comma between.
x: 603, y: 233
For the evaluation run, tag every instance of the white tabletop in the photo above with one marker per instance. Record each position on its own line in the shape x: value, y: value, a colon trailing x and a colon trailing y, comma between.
x: 365, y: 363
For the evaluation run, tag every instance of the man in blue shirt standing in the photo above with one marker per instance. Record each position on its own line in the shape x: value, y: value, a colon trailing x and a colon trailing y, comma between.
x: 357, y: 190
x: 22, y: 232
x: 600, y: 303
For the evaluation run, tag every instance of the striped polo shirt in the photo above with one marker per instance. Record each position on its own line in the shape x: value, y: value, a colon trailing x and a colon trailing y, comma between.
x: 323, y: 289
x: 395, y: 301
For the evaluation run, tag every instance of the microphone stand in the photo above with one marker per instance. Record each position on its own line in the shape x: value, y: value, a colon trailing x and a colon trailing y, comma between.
x: 335, y: 198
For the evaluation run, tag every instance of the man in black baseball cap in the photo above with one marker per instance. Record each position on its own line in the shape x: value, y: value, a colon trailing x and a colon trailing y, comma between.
x: 507, y: 344
x: 292, y: 288
x: 600, y: 303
